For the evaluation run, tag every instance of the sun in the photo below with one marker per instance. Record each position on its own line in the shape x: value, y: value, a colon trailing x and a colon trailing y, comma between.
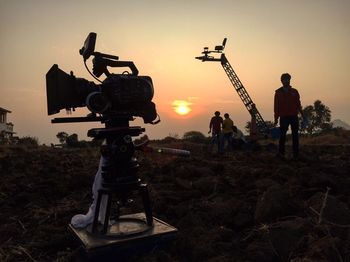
x: 181, y: 107
x: 182, y: 110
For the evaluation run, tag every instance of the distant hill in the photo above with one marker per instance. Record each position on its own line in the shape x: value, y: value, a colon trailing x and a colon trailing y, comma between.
x: 340, y: 123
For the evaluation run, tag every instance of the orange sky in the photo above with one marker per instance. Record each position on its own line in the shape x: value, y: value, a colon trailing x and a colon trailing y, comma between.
x: 308, y: 39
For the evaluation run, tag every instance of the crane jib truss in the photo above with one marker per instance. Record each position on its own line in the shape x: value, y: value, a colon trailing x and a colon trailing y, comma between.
x: 243, y: 94
x: 237, y: 84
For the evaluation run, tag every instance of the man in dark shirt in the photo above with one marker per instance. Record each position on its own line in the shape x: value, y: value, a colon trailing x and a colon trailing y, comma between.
x: 215, y: 127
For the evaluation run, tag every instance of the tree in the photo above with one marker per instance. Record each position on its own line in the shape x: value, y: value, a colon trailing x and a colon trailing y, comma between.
x: 307, y: 112
x: 322, y: 114
x: 319, y: 117
x: 28, y: 141
x: 62, y: 137
x: 72, y: 140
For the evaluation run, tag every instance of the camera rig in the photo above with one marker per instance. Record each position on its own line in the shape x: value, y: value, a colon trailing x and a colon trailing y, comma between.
x: 114, y: 102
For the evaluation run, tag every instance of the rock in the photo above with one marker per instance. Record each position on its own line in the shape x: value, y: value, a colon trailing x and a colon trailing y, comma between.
x: 286, y: 235
x: 243, y: 219
x: 261, y: 251
x: 285, y: 171
x: 334, y: 211
x: 205, y: 185
x: 188, y: 171
x: 324, y: 248
x: 274, y: 203
x: 322, y: 180
x: 226, y: 234
x: 265, y: 183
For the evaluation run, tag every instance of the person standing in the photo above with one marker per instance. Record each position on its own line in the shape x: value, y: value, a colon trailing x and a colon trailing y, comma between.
x: 287, y: 105
x: 253, y: 130
x: 215, y: 126
x: 227, y: 130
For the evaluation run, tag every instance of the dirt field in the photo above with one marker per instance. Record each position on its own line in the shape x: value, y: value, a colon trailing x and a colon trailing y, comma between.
x: 242, y: 206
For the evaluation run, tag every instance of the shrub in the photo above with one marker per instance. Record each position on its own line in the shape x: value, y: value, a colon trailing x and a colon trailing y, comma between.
x: 28, y: 141
x: 195, y: 136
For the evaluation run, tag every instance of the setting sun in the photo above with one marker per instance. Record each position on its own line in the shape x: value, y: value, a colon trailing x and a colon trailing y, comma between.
x: 181, y: 107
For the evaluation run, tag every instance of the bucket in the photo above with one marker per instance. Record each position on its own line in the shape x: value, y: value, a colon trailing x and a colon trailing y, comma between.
x: 275, y: 132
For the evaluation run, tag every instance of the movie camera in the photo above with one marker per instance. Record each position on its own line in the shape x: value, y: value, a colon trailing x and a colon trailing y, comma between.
x: 119, y: 96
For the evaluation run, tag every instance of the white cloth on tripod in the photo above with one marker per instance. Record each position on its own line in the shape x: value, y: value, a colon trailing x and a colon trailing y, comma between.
x: 80, y: 220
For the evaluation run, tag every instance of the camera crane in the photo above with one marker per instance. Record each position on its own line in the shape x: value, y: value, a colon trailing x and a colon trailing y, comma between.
x: 237, y: 84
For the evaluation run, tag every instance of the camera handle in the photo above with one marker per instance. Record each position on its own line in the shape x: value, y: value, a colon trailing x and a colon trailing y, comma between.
x: 102, y: 61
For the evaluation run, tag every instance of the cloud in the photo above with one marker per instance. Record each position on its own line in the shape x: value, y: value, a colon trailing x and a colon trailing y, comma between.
x: 177, y: 103
x: 193, y: 98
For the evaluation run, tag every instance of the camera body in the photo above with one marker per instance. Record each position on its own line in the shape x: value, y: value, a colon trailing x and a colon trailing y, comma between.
x: 119, y: 95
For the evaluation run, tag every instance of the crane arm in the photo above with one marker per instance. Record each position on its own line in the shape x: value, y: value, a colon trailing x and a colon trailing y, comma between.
x: 237, y: 84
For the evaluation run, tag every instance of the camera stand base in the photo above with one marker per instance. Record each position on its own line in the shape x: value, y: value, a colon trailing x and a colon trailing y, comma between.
x: 127, y: 237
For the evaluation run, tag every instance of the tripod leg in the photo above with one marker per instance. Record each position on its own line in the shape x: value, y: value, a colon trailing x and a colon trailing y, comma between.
x: 97, y: 211
x: 108, y: 213
x: 146, y: 204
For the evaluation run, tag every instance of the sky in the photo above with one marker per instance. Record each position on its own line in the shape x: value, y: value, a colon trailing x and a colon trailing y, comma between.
x: 309, y: 39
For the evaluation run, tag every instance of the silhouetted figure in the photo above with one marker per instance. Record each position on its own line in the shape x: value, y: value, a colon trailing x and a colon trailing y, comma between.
x: 253, y: 130
x: 215, y: 126
x: 286, y: 106
x: 227, y: 131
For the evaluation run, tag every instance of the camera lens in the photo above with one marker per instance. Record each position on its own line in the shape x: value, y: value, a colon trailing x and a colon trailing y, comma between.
x: 97, y: 102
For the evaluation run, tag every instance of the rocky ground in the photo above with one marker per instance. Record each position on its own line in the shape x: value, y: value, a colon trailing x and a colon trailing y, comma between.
x: 242, y: 206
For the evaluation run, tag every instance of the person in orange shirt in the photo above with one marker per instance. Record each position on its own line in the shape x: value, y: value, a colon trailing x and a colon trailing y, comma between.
x: 287, y: 106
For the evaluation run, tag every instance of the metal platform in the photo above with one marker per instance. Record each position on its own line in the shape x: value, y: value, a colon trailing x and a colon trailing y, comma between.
x: 129, y: 234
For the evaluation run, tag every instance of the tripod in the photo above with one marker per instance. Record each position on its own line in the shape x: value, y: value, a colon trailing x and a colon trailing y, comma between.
x: 119, y: 171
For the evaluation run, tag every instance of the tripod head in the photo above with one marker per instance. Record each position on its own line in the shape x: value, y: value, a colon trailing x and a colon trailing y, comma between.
x: 120, y: 165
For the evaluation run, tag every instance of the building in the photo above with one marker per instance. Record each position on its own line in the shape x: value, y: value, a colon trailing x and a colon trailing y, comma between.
x: 6, y: 129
